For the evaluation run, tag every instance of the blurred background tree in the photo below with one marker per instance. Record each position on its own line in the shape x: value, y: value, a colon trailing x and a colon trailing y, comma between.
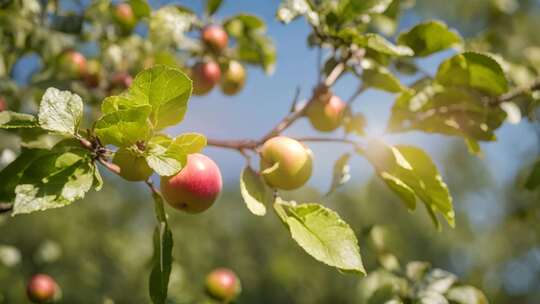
x: 96, y: 249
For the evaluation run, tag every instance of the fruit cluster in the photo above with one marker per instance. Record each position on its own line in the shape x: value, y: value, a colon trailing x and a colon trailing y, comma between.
x: 207, y: 72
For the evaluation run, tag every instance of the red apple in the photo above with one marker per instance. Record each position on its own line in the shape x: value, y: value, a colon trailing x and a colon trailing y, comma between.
x: 41, y: 288
x: 196, y: 187
x: 205, y: 76
x: 119, y: 81
x: 3, y: 104
x: 73, y: 64
x: 326, y: 113
x: 93, y: 73
x: 288, y: 162
x: 123, y: 14
x: 234, y: 78
x: 223, y: 285
x: 215, y: 37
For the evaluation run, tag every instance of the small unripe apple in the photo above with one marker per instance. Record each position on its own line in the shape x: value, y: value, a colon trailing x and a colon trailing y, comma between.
x: 215, y: 37
x: 123, y: 14
x: 73, y: 64
x: 196, y: 187
x: 293, y: 161
x: 223, y: 284
x: 133, y: 167
x: 3, y: 104
x: 205, y: 76
x: 41, y: 289
x: 93, y: 73
x: 326, y: 114
x: 233, y: 79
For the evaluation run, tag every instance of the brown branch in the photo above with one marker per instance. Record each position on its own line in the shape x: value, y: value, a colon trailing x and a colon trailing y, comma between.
x: 535, y: 86
x: 328, y: 139
x: 152, y: 187
x: 294, y: 114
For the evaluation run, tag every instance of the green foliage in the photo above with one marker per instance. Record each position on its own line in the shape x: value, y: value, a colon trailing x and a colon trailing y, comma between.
x: 419, y: 284
x: 162, y: 260
x: 60, y: 111
x: 410, y: 173
x: 341, y: 173
x: 533, y: 181
x: 322, y: 234
x: 212, y: 6
x: 471, y: 95
x: 474, y: 70
x: 256, y: 194
x: 429, y: 37
x: 167, y: 156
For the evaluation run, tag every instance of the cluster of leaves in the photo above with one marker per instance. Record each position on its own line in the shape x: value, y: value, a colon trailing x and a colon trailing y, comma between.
x: 42, y: 178
x: 419, y: 283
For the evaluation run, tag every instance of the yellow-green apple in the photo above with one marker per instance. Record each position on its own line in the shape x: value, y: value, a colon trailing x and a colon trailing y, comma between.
x: 233, y: 79
x: 196, y: 187
x: 41, y: 289
x: 223, y: 285
x: 133, y: 167
x: 73, y: 64
x: 285, y: 163
x: 205, y: 76
x: 326, y: 112
x: 93, y: 73
x: 123, y: 14
x: 215, y: 37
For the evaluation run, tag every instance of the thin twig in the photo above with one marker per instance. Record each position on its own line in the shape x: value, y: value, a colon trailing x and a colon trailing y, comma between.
x: 334, y: 75
x: 361, y: 89
x: 110, y: 166
x: 535, y: 86
x: 295, y: 99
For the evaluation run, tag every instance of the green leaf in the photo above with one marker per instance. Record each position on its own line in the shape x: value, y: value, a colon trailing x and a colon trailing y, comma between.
x: 13, y: 172
x: 168, y: 156
x: 446, y: 110
x: 378, y: 43
x: 167, y: 90
x: 60, y: 111
x: 244, y: 25
x: 341, y: 173
x: 323, y: 235
x: 259, y: 50
x: 13, y: 120
x: 162, y: 260
x: 408, y: 170
x: 429, y: 37
x: 353, y: 8
x: 123, y: 128
x: 354, y: 123
x: 533, y: 181
x: 140, y: 8
x: 255, y: 192
x: 466, y: 295
x: 379, y: 77
x: 475, y: 70
x: 212, y: 6
x: 55, y: 179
